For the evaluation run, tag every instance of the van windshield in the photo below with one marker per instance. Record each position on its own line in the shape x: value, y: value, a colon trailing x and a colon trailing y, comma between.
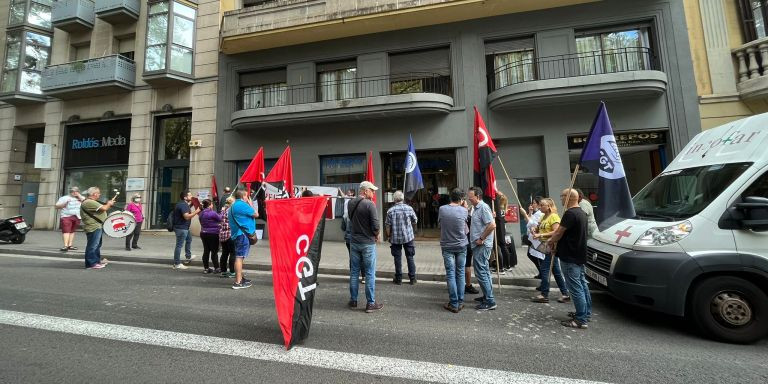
x: 680, y: 194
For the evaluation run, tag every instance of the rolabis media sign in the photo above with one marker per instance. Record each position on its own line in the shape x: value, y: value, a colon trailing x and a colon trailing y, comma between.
x: 103, y: 143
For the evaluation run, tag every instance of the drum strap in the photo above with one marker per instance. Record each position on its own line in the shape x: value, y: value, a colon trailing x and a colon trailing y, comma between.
x: 92, y: 216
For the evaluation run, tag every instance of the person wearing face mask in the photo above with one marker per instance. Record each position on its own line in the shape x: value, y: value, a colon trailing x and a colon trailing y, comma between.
x: 134, y: 207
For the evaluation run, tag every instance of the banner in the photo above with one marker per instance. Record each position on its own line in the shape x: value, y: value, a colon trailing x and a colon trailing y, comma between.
x: 282, y: 173
x: 272, y: 192
x: 485, y: 154
x: 413, y: 180
x: 601, y: 157
x: 296, y: 237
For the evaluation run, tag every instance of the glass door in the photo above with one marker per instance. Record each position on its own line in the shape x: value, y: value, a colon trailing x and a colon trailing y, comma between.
x: 170, y: 182
x: 171, y: 173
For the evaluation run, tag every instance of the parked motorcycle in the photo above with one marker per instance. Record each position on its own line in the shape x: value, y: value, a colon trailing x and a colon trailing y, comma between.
x: 14, y: 229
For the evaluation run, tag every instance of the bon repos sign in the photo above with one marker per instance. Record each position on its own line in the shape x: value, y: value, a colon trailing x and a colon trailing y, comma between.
x: 97, y: 144
x: 624, y: 139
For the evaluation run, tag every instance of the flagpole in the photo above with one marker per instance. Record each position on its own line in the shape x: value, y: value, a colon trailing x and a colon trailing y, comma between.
x: 496, y: 243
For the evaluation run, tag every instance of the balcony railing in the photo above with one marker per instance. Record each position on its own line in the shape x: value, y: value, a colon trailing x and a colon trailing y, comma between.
x: 72, y: 15
x: 279, y: 95
x: 114, y: 70
x: 572, y: 65
x: 115, y: 11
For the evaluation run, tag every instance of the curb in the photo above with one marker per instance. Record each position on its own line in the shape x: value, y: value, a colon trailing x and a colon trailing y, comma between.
x: 509, y: 281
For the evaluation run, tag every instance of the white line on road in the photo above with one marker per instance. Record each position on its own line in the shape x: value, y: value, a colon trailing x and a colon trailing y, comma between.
x: 343, y: 361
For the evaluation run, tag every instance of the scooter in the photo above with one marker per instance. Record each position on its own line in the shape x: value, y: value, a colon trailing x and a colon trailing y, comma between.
x: 14, y: 229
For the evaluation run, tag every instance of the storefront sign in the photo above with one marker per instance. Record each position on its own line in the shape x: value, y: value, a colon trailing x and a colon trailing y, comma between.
x: 134, y: 184
x: 102, y: 143
x: 624, y: 139
x: 43, y: 155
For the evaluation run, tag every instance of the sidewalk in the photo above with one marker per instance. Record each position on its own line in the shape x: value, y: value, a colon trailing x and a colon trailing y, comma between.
x: 157, y: 247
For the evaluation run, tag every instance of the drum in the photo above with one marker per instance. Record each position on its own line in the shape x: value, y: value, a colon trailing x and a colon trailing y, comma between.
x: 119, y: 224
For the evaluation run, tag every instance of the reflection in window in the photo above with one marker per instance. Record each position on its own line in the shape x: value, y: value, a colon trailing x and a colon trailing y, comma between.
x: 179, y: 33
x: 33, y: 57
x: 615, y: 51
x: 107, y: 179
x: 265, y: 95
x: 513, y: 67
x: 343, y: 169
x: 338, y: 84
x: 173, y: 138
x: 39, y: 13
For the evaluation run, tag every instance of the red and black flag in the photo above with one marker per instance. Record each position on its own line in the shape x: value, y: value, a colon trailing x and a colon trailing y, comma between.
x: 255, y: 171
x: 485, y: 154
x: 281, y: 174
x: 214, y: 190
x: 369, y: 174
x: 296, y: 239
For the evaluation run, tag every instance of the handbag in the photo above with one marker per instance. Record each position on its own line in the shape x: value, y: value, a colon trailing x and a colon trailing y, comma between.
x: 252, y: 238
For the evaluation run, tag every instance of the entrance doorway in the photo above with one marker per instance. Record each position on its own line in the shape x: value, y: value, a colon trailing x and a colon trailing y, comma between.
x: 438, y: 171
x: 171, y: 173
x: 29, y: 201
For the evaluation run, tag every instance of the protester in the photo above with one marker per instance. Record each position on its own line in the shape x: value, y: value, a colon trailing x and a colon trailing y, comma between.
x: 453, y: 243
x: 398, y: 228
x: 480, y: 232
x: 547, y: 226
x: 94, y: 213
x: 586, y: 206
x: 182, y: 215
x: 70, y: 217
x: 532, y: 218
x: 364, y: 233
x: 242, y: 225
x: 227, y: 244
x: 571, y: 240
x: 223, y: 200
x: 345, y: 217
x: 508, y: 258
x: 210, y: 224
x: 135, y: 208
x: 307, y: 193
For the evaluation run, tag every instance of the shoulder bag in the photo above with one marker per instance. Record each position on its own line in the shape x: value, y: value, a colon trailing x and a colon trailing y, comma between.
x: 252, y: 238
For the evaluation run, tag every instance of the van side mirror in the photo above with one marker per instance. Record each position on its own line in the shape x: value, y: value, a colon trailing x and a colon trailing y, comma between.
x: 750, y: 213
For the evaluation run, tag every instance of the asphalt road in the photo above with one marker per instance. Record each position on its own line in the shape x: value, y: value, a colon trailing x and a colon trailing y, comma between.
x: 623, y: 344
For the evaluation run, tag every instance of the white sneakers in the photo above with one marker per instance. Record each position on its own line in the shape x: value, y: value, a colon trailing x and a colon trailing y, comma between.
x: 180, y: 266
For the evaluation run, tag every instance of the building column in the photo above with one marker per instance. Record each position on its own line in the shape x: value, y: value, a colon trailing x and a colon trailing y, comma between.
x: 9, y: 190
x: 720, y: 61
x: 50, y: 179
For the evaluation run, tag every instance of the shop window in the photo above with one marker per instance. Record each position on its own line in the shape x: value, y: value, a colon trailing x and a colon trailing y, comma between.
x: 34, y: 136
x: 337, y: 81
x: 420, y: 71
x: 26, y: 55
x: 342, y: 169
x: 170, y: 38
x: 263, y: 89
x: 614, y: 50
x: 509, y: 62
x: 754, y: 14
x: 36, y: 13
x: 173, y: 138
x: 107, y: 179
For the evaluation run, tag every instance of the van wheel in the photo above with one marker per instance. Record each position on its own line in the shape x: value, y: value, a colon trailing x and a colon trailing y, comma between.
x: 19, y: 239
x: 730, y: 309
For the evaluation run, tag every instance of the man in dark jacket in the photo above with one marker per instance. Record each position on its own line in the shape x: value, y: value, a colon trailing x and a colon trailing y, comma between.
x: 363, y: 235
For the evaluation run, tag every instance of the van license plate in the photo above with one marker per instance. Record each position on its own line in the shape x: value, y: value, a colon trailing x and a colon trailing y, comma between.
x: 21, y: 225
x: 596, y: 276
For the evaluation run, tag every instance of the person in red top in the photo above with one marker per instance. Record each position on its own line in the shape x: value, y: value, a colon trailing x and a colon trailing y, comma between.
x: 134, y: 207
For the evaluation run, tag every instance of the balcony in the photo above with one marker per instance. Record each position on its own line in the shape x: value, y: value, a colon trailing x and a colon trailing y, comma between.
x: 95, y: 77
x: 752, y: 66
x: 291, y: 22
x: 118, y: 11
x: 73, y: 15
x: 619, y: 73
x: 335, y: 101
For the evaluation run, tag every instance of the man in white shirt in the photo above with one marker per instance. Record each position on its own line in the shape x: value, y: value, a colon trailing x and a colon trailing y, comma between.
x: 70, y: 217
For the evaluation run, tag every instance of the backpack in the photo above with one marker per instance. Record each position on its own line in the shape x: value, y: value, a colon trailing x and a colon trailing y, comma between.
x: 169, y: 221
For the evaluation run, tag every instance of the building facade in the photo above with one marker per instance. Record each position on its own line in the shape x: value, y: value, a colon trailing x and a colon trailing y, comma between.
x: 119, y: 94
x: 336, y: 80
x: 729, y: 47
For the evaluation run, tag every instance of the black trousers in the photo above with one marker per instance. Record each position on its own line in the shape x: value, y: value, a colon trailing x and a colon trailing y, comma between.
x: 132, y: 240
x: 227, y: 255
x: 397, y: 253
x: 210, y: 249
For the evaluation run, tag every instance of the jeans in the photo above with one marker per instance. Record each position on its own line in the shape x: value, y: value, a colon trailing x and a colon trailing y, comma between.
x: 454, y: 261
x: 132, y: 240
x: 183, y: 238
x: 210, y: 249
x: 544, y: 272
x: 365, y: 255
x: 577, y: 285
x: 480, y: 256
x: 397, y: 253
x: 93, y: 248
x: 227, y: 255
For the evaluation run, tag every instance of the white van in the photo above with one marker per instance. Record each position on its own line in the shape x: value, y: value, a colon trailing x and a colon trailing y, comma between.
x: 698, y: 246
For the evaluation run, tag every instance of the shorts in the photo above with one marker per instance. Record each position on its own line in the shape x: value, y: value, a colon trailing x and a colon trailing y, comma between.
x: 242, y: 246
x: 69, y: 224
x: 469, y: 255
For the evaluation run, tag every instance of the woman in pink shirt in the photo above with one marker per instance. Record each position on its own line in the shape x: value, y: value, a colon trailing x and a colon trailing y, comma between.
x: 135, y: 208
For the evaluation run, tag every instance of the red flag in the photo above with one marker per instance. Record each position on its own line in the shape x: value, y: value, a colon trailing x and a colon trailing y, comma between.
x: 369, y: 176
x: 214, y: 190
x: 485, y: 153
x: 282, y: 172
x: 295, y: 237
x: 255, y: 170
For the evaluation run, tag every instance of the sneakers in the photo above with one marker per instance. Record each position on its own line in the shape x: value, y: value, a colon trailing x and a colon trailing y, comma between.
x: 480, y: 299
x: 104, y: 261
x: 208, y: 271
x: 64, y: 249
x: 136, y: 247
x: 189, y: 259
x: 97, y: 266
x: 486, y: 307
x: 397, y: 281
x: 217, y: 271
x: 564, y: 299
x: 243, y: 284
x: 352, y: 304
x: 180, y: 266
x: 231, y: 275
x: 413, y: 281
x: 362, y: 281
x: 448, y: 307
x: 373, y: 307
x: 225, y: 274
x: 470, y: 289
x: 128, y: 249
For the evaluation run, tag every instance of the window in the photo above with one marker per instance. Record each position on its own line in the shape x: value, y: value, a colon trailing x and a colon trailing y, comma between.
x: 263, y: 89
x: 420, y: 71
x: 80, y: 52
x: 759, y: 188
x: 34, y: 136
x: 39, y: 13
x: 337, y: 81
x: 26, y: 55
x: 617, y: 50
x: 170, y: 37
x: 342, y: 169
x: 125, y: 46
x: 510, y: 62
x: 173, y: 138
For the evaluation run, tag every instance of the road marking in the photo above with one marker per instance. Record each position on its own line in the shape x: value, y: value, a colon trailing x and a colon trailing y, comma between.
x: 343, y: 361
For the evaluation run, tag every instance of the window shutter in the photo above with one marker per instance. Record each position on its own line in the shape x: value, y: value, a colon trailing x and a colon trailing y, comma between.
x: 274, y: 76
x: 436, y: 61
x: 502, y: 46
